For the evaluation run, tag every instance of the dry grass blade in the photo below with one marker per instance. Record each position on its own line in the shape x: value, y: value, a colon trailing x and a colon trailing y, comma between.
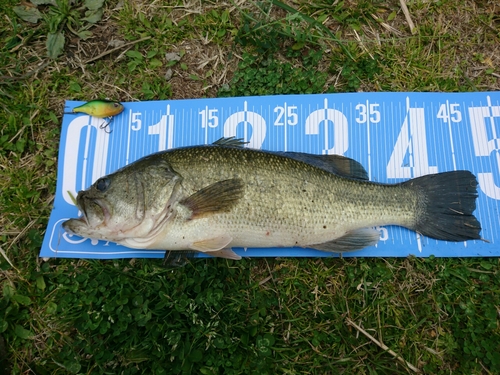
x: 6, y: 79
x: 382, y: 346
x: 116, y: 49
x: 408, y: 17
x: 7, y: 259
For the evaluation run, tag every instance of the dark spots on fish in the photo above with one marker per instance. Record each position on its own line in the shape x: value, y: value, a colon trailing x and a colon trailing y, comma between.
x: 268, y: 233
x: 304, y: 190
x: 324, y: 226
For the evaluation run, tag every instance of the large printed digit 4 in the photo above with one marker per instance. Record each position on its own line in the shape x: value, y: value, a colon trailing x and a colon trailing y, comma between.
x: 411, y: 142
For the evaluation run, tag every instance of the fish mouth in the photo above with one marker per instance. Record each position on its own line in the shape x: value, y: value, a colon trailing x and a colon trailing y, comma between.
x: 94, y: 211
x: 95, y: 216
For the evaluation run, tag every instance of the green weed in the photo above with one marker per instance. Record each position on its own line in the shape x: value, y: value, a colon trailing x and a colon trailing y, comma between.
x: 59, y: 16
x: 267, y: 76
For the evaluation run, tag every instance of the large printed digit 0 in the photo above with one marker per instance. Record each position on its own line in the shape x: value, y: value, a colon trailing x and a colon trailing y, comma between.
x: 72, y: 153
x: 412, y: 141
x: 247, y: 119
x: 482, y: 118
x: 326, y: 116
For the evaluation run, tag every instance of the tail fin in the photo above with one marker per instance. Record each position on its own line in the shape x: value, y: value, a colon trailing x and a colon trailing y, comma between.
x: 447, y: 201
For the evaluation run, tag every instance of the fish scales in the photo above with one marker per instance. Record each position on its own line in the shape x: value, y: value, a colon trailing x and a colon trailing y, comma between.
x: 286, y: 197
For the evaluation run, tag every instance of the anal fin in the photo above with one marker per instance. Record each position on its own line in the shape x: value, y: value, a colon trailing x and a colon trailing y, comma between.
x: 211, y: 244
x: 216, y: 247
x: 353, y: 240
x: 224, y: 253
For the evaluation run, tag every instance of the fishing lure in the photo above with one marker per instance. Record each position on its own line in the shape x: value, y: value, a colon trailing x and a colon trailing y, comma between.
x: 100, y: 108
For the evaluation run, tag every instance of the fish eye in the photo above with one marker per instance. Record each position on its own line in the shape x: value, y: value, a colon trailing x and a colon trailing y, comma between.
x: 102, y: 184
x: 116, y: 105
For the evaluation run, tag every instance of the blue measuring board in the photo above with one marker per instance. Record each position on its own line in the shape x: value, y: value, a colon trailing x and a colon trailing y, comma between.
x: 395, y: 136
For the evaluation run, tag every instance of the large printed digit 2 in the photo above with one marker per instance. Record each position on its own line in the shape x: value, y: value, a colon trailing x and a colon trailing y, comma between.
x: 247, y: 118
x: 480, y: 119
x: 72, y: 153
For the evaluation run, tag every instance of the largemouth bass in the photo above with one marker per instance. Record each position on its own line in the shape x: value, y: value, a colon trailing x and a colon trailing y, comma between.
x: 211, y: 198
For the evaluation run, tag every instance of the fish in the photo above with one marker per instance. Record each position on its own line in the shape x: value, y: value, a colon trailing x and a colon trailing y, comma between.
x: 99, y: 108
x: 212, y: 198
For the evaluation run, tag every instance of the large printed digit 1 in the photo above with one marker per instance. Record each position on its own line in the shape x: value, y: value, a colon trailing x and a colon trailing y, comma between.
x: 164, y: 129
x: 247, y: 118
x: 340, y: 129
x: 480, y: 119
x: 412, y: 141
x: 72, y: 152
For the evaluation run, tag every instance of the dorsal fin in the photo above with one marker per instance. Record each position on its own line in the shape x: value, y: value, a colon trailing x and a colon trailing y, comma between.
x: 230, y: 142
x: 337, y: 164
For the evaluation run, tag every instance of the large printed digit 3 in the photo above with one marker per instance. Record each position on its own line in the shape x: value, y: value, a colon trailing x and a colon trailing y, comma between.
x: 486, y: 141
x: 326, y: 116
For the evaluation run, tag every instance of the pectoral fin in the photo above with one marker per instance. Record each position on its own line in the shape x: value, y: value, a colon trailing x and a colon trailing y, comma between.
x: 353, y: 240
x: 218, y: 197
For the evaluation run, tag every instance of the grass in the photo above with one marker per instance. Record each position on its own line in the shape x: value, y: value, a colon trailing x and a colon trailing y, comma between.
x: 289, y: 316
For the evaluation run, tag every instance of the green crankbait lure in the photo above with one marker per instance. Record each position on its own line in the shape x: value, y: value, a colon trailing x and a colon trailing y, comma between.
x: 100, y: 108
